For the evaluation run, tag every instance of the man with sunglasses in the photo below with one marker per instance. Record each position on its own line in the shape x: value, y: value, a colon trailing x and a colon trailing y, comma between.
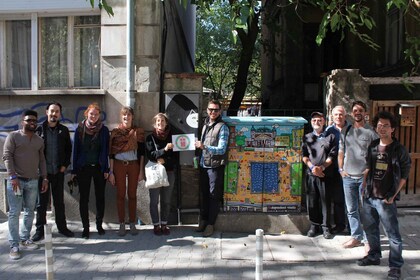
x: 23, y: 155
x: 58, y: 148
x: 213, y: 143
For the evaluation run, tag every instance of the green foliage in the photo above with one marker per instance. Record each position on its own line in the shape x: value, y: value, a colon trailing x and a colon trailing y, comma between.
x: 103, y: 4
x: 218, y: 54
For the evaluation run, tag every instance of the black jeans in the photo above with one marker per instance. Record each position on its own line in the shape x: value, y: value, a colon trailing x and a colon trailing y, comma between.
x: 84, y: 177
x: 336, y: 186
x: 318, y: 201
x: 211, y: 186
x: 56, y: 187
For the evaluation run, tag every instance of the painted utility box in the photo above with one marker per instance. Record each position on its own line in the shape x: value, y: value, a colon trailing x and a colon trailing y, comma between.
x: 264, y: 169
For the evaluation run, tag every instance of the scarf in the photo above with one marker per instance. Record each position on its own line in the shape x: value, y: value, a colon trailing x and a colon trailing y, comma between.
x: 88, y: 128
x: 125, y: 139
x: 161, y: 134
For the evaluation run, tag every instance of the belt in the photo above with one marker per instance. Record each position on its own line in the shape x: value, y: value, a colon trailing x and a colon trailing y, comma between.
x: 92, y: 165
x: 127, y: 162
x: 25, y: 179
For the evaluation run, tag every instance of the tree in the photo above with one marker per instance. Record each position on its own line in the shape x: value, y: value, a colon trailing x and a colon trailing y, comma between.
x: 217, y: 55
x: 341, y: 16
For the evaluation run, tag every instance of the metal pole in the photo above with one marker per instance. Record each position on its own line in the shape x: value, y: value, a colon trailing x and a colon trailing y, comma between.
x: 259, y: 234
x: 49, y: 261
x: 130, y: 99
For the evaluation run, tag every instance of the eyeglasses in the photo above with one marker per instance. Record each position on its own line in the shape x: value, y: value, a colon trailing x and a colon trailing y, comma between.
x: 213, y: 110
x: 31, y: 120
x: 380, y: 126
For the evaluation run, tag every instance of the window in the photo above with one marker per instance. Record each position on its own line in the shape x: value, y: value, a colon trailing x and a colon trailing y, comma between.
x: 18, y: 54
x: 68, y: 49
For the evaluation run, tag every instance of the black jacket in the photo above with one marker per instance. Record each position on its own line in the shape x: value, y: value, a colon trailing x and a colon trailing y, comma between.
x: 401, y: 163
x: 152, y: 154
x: 64, y: 143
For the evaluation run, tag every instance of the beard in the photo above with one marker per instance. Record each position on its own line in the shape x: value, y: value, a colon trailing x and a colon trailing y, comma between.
x: 53, y: 119
x: 30, y: 128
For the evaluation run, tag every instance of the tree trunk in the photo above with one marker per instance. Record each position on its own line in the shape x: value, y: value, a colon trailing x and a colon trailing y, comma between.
x: 248, y: 45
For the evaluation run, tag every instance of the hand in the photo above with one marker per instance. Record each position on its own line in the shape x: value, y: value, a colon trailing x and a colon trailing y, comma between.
x: 161, y: 161
x: 111, y: 178
x: 199, y: 145
x: 317, y: 171
x: 141, y: 176
x: 72, y: 177
x: 44, y: 186
x: 169, y: 146
x: 106, y: 175
x: 344, y: 174
x: 62, y: 169
x: 389, y: 200
x: 15, y: 184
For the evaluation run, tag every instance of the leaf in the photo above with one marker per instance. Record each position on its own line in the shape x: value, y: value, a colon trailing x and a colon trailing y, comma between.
x: 368, y: 23
x: 334, y: 21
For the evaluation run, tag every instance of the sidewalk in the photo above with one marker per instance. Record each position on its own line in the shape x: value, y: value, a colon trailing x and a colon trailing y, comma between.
x: 186, y: 255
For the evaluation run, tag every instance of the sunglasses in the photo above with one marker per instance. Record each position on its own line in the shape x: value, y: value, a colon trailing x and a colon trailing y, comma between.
x: 213, y: 110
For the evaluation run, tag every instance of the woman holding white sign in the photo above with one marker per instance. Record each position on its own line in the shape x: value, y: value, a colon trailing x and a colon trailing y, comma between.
x: 159, y: 148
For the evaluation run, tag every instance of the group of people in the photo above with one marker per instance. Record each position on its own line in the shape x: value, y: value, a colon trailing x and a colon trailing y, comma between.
x: 37, y: 157
x: 360, y: 170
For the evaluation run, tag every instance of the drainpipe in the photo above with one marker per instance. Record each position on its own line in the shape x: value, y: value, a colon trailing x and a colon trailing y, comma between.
x: 130, y: 90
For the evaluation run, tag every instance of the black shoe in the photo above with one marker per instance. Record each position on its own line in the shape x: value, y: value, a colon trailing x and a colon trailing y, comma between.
x: 85, y: 233
x: 366, y: 261
x: 338, y: 229
x: 66, y: 232
x: 312, y: 231
x: 327, y: 234
x: 100, y: 229
x: 38, y: 236
x: 394, y: 273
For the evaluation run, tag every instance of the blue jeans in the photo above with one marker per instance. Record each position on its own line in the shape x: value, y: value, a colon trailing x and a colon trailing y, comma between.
x: 352, y: 194
x: 373, y: 211
x: 29, y: 189
x: 165, y: 194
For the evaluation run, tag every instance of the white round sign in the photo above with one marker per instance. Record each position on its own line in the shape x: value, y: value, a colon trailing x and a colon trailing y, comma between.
x: 192, y: 120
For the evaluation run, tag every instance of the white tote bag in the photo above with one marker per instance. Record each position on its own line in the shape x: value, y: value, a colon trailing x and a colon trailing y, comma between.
x: 156, y: 176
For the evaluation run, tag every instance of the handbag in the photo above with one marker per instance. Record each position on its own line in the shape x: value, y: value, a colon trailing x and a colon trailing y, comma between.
x: 156, y: 175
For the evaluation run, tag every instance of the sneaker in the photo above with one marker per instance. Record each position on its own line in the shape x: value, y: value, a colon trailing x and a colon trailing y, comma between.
x: 365, y: 261
x: 208, y: 231
x: 165, y: 230
x: 312, y: 231
x: 14, y: 253
x: 133, y: 229
x: 394, y: 273
x: 38, y: 236
x: 156, y: 230
x: 121, y: 231
x: 66, y: 232
x: 29, y: 245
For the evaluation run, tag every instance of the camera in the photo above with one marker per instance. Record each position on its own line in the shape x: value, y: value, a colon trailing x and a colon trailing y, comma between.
x: 72, y: 184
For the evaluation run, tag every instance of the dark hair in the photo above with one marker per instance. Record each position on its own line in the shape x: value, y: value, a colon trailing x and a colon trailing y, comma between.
x: 386, y: 116
x: 360, y: 103
x: 216, y: 102
x: 29, y: 113
x: 54, y: 103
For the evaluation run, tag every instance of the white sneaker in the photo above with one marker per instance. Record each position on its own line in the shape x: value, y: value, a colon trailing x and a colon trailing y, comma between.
x: 14, y: 253
x: 29, y: 245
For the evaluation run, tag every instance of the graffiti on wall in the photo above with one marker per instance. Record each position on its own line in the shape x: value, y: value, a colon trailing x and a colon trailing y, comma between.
x: 10, y: 120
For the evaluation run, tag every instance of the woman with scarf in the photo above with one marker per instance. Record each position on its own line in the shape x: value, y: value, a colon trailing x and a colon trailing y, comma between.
x: 159, y: 149
x: 126, y: 161
x: 90, y: 160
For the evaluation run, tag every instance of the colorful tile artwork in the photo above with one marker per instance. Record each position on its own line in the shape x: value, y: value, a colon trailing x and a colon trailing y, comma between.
x: 264, y: 170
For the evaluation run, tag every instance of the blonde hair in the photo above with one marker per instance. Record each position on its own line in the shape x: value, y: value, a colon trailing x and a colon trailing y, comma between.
x: 160, y: 116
